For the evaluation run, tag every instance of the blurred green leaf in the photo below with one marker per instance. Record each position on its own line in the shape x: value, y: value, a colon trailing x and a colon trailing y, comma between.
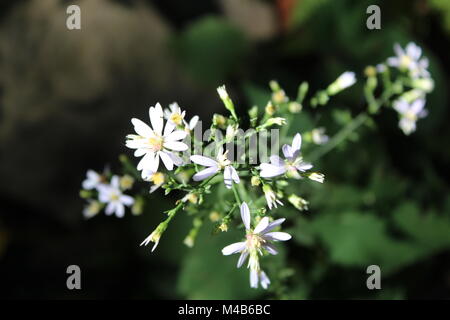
x: 211, y: 49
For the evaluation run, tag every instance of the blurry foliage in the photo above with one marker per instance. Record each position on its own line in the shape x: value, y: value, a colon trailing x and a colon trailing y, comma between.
x: 66, y: 98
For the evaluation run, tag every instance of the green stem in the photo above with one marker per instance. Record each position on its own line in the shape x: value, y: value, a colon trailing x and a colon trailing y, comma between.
x: 236, y: 194
x: 339, y: 137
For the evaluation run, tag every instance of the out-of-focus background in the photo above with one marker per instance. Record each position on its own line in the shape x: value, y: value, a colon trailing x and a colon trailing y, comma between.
x: 66, y: 98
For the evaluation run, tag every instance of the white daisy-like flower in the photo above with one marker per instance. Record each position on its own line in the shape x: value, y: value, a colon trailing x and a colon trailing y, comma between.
x: 93, y: 180
x: 271, y: 197
x: 410, y: 59
x: 157, y: 178
x: 114, y: 198
x: 410, y: 113
x: 153, y: 143
x: 257, y: 239
x: 230, y: 174
x: 174, y: 114
x: 292, y: 165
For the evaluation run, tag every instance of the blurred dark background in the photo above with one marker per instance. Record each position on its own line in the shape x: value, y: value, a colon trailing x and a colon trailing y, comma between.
x: 66, y: 98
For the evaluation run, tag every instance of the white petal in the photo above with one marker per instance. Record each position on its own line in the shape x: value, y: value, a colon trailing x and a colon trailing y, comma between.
x: 242, y: 258
x: 156, y: 118
x: 262, y: 225
x: 277, y: 236
x: 264, y: 280
x: 269, y: 170
x: 110, y: 208
x: 233, y: 248
x: 126, y: 200
x: 272, y: 225
x: 417, y: 106
x: 393, y: 61
x: 193, y: 123
x: 296, y: 142
x: 175, y: 145
x: 176, y: 159
x: 176, y: 135
x: 287, y: 151
x: 205, y: 173
x: 142, y: 128
x: 227, y: 177
x: 270, y: 248
x: 234, y: 175
x: 170, y: 126
x: 168, y: 163
x: 253, y: 278
x: 401, y: 106
x: 204, y: 161
x: 120, y: 210
x: 139, y: 152
x: 303, y: 166
x: 115, y: 182
x: 276, y: 160
x: 245, y: 215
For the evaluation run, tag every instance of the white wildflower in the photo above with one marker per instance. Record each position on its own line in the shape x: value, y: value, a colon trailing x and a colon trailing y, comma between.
x: 230, y: 174
x: 93, y: 180
x: 409, y: 59
x: 115, y: 199
x: 153, y: 143
x: 257, y: 239
x: 174, y: 114
x: 292, y: 165
x: 409, y: 114
x: 271, y: 197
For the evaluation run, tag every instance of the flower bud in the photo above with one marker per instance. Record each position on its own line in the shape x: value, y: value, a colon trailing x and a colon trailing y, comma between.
x: 270, y: 108
x: 298, y: 202
x: 126, y: 182
x: 344, y: 81
x: 316, y: 176
x: 294, y: 107
x: 255, y: 181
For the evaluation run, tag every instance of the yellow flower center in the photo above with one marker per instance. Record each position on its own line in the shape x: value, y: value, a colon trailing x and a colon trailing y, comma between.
x: 410, y: 116
x: 114, y: 197
x: 254, y: 241
x: 176, y: 118
x: 157, y: 178
x: 223, y: 160
x: 156, y: 143
x: 405, y: 61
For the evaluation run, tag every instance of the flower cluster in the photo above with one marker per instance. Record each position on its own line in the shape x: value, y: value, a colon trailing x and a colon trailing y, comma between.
x: 109, y: 194
x: 413, y: 73
x: 230, y: 169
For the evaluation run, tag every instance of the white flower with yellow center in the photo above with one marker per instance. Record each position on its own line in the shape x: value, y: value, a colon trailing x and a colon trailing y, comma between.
x: 157, y: 178
x: 409, y: 114
x: 174, y: 114
x: 257, y: 239
x: 153, y: 143
x: 291, y: 165
x: 114, y: 198
x: 230, y: 174
x: 410, y: 60
x: 93, y: 180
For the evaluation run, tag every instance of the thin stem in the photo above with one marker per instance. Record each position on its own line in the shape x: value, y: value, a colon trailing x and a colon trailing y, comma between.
x: 339, y: 137
x: 236, y: 194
